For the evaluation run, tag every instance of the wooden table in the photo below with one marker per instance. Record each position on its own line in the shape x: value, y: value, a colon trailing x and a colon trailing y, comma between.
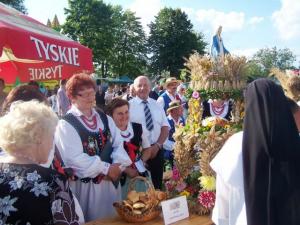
x: 192, y: 220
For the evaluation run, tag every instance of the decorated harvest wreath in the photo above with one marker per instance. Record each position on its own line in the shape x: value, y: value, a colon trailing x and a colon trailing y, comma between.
x: 201, y: 139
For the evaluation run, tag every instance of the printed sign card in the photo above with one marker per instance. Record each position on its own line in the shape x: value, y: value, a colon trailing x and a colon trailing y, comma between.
x: 175, y: 209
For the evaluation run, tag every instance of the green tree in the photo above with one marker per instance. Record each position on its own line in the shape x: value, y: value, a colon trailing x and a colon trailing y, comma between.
x: 255, y: 70
x: 91, y: 23
x: 48, y: 23
x: 129, y: 52
x: 17, y: 4
x: 273, y: 57
x: 171, y: 39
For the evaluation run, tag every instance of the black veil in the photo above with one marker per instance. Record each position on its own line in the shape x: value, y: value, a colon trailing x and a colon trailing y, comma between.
x: 271, y: 157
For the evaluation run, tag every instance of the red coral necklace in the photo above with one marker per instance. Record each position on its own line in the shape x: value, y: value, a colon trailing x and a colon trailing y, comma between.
x: 92, y: 123
x: 218, y: 110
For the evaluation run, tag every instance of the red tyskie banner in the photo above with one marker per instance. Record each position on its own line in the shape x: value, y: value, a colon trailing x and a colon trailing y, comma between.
x: 30, y: 50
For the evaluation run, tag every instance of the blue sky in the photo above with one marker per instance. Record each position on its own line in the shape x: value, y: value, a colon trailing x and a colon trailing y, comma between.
x: 248, y: 25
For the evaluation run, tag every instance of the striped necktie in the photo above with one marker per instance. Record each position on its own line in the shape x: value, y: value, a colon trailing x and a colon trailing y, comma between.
x: 148, y: 117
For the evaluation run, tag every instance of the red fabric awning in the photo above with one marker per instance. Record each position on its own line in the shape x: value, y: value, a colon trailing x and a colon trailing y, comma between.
x: 30, y: 50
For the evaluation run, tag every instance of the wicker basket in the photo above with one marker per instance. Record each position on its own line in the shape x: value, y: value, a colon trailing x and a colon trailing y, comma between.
x: 153, y: 211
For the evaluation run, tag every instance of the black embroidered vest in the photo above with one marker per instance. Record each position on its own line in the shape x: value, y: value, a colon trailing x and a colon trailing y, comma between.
x: 93, y: 142
x: 136, y: 140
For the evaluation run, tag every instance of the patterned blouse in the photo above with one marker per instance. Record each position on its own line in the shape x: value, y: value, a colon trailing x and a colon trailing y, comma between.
x: 31, y: 194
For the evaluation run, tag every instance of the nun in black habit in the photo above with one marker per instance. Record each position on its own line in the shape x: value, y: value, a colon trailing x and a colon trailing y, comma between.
x: 271, y: 157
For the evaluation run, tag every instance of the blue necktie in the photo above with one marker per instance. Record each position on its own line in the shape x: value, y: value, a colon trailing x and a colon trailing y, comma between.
x: 148, y: 117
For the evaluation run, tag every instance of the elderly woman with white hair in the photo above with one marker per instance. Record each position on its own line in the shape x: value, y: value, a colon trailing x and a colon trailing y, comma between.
x: 26, y: 135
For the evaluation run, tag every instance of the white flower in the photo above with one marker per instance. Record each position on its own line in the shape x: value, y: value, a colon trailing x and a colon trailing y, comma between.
x: 33, y: 176
x: 16, y: 183
x: 6, y: 170
x: 41, y: 188
x: 56, y: 206
x: 91, y: 145
x: 6, y: 205
x: 13, y: 174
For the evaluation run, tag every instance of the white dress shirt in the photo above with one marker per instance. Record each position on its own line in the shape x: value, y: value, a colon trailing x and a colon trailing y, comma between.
x: 161, y: 100
x: 130, y: 133
x: 70, y: 147
x: 159, y: 118
x: 230, y: 206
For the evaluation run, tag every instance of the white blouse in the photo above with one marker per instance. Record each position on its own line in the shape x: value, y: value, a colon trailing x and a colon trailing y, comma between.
x: 230, y: 206
x: 224, y: 112
x: 128, y: 134
x: 70, y: 147
x: 161, y: 101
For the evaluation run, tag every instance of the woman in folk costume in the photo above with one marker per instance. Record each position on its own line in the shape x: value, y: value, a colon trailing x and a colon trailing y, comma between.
x: 136, y: 143
x: 217, y: 108
x: 271, y: 156
x: 90, y: 143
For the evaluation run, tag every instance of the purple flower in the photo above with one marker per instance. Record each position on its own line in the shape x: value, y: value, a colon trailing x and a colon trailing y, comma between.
x: 196, y: 94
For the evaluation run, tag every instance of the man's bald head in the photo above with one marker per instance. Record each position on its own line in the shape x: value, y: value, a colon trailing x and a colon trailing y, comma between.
x: 142, y: 87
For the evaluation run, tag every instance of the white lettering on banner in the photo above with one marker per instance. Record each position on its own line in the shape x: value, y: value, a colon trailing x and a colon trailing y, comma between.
x: 56, y: 53
x: 47, y: 73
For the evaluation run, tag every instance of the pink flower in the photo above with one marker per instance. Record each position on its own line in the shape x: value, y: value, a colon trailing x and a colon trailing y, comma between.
x: 175, y: 175
x: 207, y: 199
x: 169, y: 186
x: 196, y: 94
x: 180, y: 187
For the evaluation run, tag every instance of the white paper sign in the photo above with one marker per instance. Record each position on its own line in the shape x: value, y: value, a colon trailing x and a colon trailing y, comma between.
x: 175, y: 209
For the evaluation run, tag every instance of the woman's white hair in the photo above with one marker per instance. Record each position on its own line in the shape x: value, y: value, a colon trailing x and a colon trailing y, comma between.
x: 25, y: 125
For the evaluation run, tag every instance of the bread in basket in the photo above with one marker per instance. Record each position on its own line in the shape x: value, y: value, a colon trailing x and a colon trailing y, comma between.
x: 140, y: 206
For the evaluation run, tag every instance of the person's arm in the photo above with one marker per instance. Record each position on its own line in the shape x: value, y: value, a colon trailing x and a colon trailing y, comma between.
x: 147, y: 150
x: 221, y: 209
x: 160, y: 101
x: 64, y: 208
x: 164, y: 133
x: 59, y: 103
x: 70, y: 147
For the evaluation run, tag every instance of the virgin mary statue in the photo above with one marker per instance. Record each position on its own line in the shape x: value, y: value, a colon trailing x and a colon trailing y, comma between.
x: 218, y: 51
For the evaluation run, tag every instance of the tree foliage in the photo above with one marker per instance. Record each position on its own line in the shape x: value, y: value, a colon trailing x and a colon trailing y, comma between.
x: 255, y: 70
x: 17, y: 4
x: 90, y: 22
x: 273, y: 57
x: 116, y: 37
x: 171, y: 39
x: 129, y: 52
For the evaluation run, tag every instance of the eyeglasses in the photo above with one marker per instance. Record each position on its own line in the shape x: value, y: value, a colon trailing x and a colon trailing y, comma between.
x: 86, y: 95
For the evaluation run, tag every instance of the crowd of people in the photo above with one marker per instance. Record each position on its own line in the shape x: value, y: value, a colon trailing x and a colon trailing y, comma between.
x: 72, y: 156
x: 90, y: 151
